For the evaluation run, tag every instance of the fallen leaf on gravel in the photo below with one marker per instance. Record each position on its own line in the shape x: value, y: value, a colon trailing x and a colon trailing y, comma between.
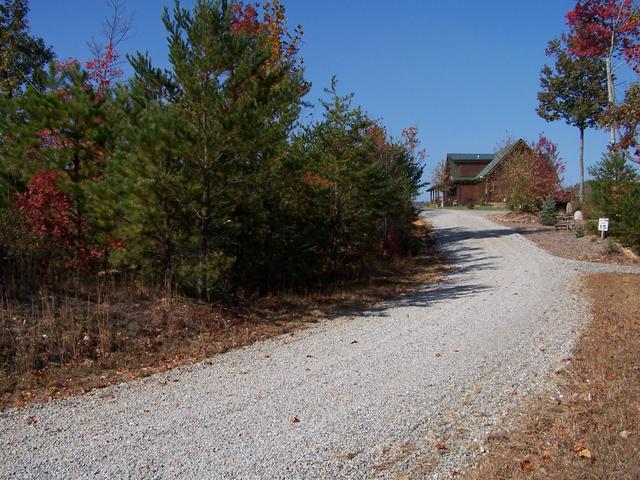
x: 584, y: 453
x: 294, y: 419
x: 526, y: 466
x: 243, y: 372
x: 32, y: 420
x: 309, y: 356
x: 355, y: 341
x: 456, y: 350
x: 438, y: 354
x: 264, y: 357
x: 439, y: 446
x: 625, y: 433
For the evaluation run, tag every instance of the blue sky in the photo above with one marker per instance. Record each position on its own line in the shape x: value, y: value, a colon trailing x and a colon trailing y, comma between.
x: 464, y: 72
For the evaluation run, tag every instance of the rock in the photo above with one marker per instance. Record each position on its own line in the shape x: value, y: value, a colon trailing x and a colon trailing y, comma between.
x: 577, y: 216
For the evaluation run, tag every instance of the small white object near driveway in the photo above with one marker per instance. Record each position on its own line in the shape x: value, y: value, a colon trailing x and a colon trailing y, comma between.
x: 603, y: 225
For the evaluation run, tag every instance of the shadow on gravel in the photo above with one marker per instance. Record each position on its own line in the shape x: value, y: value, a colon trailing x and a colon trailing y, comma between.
x: 445, y: 291
x: 464, y: 260
x: 452, y: 235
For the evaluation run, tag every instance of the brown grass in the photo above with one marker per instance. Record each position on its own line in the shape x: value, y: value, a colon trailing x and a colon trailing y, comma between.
x: 591, y: 431
x: 60, y: 344
x: 565, y: 244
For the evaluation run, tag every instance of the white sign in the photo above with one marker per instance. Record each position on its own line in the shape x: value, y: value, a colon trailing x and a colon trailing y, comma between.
x: 603, y: 225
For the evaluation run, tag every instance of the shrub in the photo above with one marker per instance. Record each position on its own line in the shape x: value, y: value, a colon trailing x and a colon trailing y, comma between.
x: 521, y: 204
x: 548, y: 214
x: 616, y: 195
x: 579, y: 231
x: 592, y: 226
x: 628, y: 225
x: 610, y: 247
x: 470, y: 205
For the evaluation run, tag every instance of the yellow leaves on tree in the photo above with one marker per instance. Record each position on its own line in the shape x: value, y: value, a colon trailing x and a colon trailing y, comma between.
x: 284, y: 44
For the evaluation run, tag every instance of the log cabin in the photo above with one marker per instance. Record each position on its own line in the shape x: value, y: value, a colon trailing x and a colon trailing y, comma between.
x: 477, y: 177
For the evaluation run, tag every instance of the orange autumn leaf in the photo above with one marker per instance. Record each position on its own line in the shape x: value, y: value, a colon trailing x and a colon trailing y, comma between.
x: 526, y: 466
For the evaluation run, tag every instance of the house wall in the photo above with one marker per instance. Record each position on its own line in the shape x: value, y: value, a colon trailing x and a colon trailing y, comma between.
x: 471, y: 192
x: 470, y: 169
x: 488, y: 190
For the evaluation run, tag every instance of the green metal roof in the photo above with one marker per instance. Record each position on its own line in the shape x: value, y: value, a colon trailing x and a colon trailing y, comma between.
x: 454, y: 158
x: 469, y: 157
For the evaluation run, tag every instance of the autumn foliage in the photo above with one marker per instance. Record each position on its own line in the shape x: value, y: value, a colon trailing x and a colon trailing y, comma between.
x: 47, y: 210
x: 201, y: 177
x: 532, y: 174
x: 247, y: 20
x: 103, y: 69
x: 599, y: 28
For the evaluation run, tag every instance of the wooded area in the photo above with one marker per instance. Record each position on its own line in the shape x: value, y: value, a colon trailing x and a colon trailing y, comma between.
x: 200, y: 178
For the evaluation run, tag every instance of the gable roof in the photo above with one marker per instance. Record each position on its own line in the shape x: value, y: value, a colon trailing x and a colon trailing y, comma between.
x: 491, y: 161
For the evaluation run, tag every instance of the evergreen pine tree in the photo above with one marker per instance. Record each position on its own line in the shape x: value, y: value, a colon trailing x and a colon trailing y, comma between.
x: 548, y: 213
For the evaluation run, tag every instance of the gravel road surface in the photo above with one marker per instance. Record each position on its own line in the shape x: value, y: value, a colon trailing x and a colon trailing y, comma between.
x: 364, y: 396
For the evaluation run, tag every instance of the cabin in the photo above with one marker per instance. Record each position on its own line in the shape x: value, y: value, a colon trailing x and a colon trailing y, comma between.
x: 477, y: 177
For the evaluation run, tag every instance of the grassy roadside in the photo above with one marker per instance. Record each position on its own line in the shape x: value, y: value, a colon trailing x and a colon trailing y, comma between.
x: 592, y: 429
x: 61, y: 346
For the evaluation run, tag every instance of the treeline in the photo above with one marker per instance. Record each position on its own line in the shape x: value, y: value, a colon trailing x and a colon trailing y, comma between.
x: 198, y: 177
x: 583, y: 88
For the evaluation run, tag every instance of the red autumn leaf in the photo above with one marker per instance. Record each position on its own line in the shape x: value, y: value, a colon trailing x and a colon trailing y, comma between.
x: 526, y: 466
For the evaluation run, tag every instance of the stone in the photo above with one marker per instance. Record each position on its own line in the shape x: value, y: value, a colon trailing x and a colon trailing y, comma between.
x: 569, y: 208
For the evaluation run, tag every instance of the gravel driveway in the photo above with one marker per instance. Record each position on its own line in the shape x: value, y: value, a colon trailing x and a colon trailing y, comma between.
x: 357, y: 397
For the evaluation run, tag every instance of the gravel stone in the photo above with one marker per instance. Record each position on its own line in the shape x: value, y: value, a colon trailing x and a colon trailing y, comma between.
x: 502, y: 322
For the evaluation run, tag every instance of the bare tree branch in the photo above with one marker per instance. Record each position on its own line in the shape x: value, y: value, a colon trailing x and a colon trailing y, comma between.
x: 116, y: 29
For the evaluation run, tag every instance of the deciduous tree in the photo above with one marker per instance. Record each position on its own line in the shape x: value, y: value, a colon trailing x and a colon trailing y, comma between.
x: 574, y: 90
x: 606, y: 29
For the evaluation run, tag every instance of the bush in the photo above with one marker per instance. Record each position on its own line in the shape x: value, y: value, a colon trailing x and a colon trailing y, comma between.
x: 548, y: 214
x: 592, y: 226
x: 520, y: 204
x: 610, y: 247
x: 470, y: 205
x: 628, y: 226
x: 616, y: 195
x: 579, y: 231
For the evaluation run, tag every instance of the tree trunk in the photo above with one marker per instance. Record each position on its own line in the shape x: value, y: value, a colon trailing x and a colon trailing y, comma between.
x: 203, y: 247
x: 581, y: 191
x: 611, y: 94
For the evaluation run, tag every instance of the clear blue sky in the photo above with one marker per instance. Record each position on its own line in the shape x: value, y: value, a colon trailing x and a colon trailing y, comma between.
x: 464, y: 72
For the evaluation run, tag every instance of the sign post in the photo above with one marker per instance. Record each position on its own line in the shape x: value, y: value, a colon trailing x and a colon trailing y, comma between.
x: 603, y: 226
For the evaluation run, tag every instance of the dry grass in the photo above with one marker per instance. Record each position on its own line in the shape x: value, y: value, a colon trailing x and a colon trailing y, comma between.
x: 59, y: 344
x: 591, y: 431
x: 565, y: 244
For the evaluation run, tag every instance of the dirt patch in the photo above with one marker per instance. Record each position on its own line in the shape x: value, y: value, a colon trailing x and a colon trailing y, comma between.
x: 565, y: 244
x: 590, y: 428
x: 47, y: 349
